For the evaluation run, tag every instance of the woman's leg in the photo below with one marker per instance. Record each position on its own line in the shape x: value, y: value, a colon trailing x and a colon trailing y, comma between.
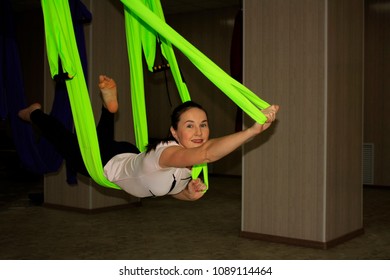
x: 108, y: 146
x: 66, y: 142
x: 105, y: 129
x: 55, y: 132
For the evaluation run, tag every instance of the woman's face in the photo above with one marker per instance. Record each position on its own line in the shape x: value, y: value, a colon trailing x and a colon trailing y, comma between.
x: 192, y: 129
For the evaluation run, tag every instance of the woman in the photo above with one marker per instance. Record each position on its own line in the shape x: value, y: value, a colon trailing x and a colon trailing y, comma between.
x: 165, y: 168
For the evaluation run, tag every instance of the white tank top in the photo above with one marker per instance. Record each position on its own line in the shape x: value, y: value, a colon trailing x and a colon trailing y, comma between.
x: 141, y: 175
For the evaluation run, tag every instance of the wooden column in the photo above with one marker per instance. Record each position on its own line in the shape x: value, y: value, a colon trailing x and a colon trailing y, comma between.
x: 302, y: 179
x: 107, y: 54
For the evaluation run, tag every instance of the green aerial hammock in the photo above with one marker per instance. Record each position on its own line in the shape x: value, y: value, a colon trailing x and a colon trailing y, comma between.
x: 144, y: 22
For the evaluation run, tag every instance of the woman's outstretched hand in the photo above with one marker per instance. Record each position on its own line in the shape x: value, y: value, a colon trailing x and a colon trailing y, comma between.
x: 196, y: 189
x: 270, y: 113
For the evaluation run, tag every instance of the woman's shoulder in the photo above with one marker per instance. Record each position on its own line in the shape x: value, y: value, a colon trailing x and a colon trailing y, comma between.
x: 173, y: 143
x: 167, y: 144
x: 158, y: 143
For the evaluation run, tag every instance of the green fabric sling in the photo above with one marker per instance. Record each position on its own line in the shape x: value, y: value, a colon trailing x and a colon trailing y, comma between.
x: 144, y: 21
x: 138, y: 34
x: 61, y: 42
x: 249, y: 102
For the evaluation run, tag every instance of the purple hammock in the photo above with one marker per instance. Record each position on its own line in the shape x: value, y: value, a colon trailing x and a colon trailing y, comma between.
x: 37, y: 156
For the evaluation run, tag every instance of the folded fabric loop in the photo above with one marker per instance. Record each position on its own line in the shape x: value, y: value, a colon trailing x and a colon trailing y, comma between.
x: 144, y: 21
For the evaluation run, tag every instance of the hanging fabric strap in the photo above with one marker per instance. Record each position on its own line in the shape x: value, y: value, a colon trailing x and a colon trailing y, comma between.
x: 141, y: 38
x: 248, y: 101
x: 61, y: 42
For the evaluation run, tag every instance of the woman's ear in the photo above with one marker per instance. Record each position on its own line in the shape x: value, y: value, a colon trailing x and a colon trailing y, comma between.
x: 173, y: 132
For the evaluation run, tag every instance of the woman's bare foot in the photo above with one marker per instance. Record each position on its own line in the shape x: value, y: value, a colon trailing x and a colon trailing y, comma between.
x: 25, y: 113
x: 109, y: 94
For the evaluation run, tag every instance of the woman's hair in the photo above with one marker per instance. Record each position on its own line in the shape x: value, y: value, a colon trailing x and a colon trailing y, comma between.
x: 175, y: 118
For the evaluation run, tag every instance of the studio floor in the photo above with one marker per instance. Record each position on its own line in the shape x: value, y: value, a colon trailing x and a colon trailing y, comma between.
x: 164, y: 228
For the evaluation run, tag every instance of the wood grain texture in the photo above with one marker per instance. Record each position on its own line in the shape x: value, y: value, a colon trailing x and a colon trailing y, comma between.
x: 297, y: 175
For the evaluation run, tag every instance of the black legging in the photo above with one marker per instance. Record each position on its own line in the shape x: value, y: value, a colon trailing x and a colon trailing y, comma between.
x: 67, y: 145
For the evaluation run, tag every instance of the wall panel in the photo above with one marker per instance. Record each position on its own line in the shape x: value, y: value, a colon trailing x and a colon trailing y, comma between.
x: 296, y: 176
x: 377, y: 87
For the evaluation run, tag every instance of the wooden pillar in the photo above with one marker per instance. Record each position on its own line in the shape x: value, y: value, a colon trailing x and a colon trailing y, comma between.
x: 302, y: 179
x: 107, y: 54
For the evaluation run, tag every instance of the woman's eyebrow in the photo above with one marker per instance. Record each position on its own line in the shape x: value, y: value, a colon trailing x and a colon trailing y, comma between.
x: 191, y: 121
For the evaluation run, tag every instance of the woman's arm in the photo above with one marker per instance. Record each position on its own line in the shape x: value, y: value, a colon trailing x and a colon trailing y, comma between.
x: 194, y: 190
x: 214, y: 149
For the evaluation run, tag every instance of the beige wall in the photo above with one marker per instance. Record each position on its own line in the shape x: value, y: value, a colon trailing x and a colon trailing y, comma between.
x: 377, y: 88
x: 302, y: 179
x: 344, y: 117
